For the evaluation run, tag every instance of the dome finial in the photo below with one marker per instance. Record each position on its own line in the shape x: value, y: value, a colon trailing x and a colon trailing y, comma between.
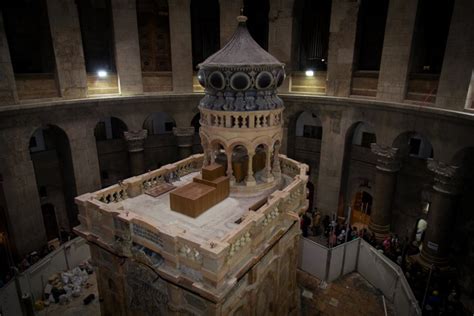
x: 242, y: 18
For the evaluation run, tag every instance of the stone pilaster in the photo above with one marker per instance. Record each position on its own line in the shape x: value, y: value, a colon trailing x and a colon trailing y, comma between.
x: 228, y: 11
x: 387, y: 167
x: 341, y: 47
x: 127, y: 49
x: 458, y: 61
x: 135, y: 143
x: 68, y: 51
x: 437, y: 240
x: 395, y: 62
x: 181, y: 49
x: 8, y: 93
x: 281, y: 31
x: 185, y: 138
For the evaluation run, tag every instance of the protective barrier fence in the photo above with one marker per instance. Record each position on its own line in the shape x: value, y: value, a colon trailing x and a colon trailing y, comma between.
x: 329, y: 264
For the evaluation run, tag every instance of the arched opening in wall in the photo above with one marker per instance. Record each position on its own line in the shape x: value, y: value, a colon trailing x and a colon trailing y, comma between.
x: 305, y: 134
x: 31, y: 50
x: 368, y: 48
x: 95, y: 19
x: 155, y: 45
x: 463, y: 229
x: 358, y: 173
x: 196, y: 123
x: 205, y: 27
x: 413, y: 187
x: 50, y: 221
x: 433, y: 19
x: 257, y: 23
x: 259, y: 163
x: 310, y: 45
x: 361, y: 208
x: 240, y: 163
x: 52, y: 161
x: 6, y: 251
x: 160, y: 145
x: 111, y: 150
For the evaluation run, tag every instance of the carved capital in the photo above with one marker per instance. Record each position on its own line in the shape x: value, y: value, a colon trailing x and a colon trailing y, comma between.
x: 446, y: 178
x: 184, y: 136
x: 135, y: 139
x: 387, y: 157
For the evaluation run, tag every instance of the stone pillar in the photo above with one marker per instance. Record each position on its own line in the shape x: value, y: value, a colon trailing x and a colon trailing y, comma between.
x: 280, y: 31
x: 458, y: 61
x: 135, y: 142
x: 67, y: 44
x: 185, y: 140
x: 228, y: 12
x: 276, y: 170
x: 395, y: 62
x: 268, y: 177
x: 8, y: 93
x: 385, y: 183
x: 341, y: 47
x: 181, y: 49
x: 437, y: 240
x: 127, y: 48
x: 230, y: 171
x: 250, y: 180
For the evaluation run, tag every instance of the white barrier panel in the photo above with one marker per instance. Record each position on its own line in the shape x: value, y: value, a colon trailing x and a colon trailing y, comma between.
x: 9, y: 302
x: 404, y: 300
x: 312, y: 258
x: 335, y: 265
x: 350, y: 260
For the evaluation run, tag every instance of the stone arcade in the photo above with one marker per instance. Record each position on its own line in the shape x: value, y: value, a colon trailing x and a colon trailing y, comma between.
x: 239, y: 257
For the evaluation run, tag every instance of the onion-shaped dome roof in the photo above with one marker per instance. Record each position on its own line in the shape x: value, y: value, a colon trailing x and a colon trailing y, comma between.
x: 242, y: 76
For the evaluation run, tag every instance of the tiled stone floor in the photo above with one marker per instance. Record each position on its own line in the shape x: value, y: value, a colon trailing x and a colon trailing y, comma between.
x: 349, y: 295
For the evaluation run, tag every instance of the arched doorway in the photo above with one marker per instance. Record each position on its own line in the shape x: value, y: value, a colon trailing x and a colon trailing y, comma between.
x: 196, y: 123
x: 50, y: 221
x: 361, y: 209
x: 111, y: 150
x: 240, y: 164
x: 160, y: 145
x: 51, y: 156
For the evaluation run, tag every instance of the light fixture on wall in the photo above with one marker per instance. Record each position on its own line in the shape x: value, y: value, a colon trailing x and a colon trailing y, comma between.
x: 102, y: 73
x: 309, y: 73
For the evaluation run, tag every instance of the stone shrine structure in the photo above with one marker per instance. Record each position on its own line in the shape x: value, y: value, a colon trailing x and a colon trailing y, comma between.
x: 238, y: 257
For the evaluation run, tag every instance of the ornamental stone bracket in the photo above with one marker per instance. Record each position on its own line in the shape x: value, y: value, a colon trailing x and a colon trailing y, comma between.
x: 135, y: 139
x: 387, y: 157
x: 184, y: 136
x: 446, y: 178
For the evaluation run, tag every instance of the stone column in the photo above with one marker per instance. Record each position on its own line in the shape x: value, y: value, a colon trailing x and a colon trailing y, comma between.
x: 395, y: 62
x: 181, y: 49
x: 8, y: 93
x: 268, y: 177
x: 127, y: 48
x: 250, y: 180
x: 385, y: 182
x: 206, y: 150
x: 437, y: 240
x: 185, y: 139
x: 280, y: 31
x: 228, y: 12
x: 276, y: 170
x: 230, y: 171
x: 341, y: 47
x: 67, y: 44
x: 135, y: 142
x: 458, y: 59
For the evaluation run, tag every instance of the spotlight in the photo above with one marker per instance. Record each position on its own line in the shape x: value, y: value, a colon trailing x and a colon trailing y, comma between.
x: 309, y: 73
x: 102, y: 73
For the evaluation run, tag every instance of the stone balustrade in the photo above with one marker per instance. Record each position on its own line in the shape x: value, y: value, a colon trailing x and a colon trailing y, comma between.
x: 242, y: 120
x: 176, y: 250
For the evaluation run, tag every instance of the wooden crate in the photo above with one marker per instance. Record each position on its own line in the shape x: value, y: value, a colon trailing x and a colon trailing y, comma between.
x: 192, y: 199
x: 212, y: 172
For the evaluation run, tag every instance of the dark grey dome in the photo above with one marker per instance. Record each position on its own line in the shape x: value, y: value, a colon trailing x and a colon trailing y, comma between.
x: 242, y: 76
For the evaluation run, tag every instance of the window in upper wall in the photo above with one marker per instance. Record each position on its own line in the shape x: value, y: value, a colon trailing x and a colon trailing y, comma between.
x: 370, y: 34
x: 311, y: 33
x: 367, y: 139
x: 95, y: 17
x: 311, y: 131
x: 29, y: 37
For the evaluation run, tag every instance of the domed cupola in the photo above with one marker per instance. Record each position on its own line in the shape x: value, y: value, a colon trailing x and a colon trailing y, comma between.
x: 241, y: 76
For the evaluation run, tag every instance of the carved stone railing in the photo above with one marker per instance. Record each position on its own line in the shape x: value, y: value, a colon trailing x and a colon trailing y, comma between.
x: 242, y: 120
x: 178, y: 251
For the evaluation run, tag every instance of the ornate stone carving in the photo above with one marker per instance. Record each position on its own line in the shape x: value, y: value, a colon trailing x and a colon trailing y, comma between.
x: 135, y: 139
x: 387, y: 157
x: 446, y: 176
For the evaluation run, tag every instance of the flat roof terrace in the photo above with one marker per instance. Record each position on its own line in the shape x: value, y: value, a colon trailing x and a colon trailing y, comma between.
x: 213, y: 224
